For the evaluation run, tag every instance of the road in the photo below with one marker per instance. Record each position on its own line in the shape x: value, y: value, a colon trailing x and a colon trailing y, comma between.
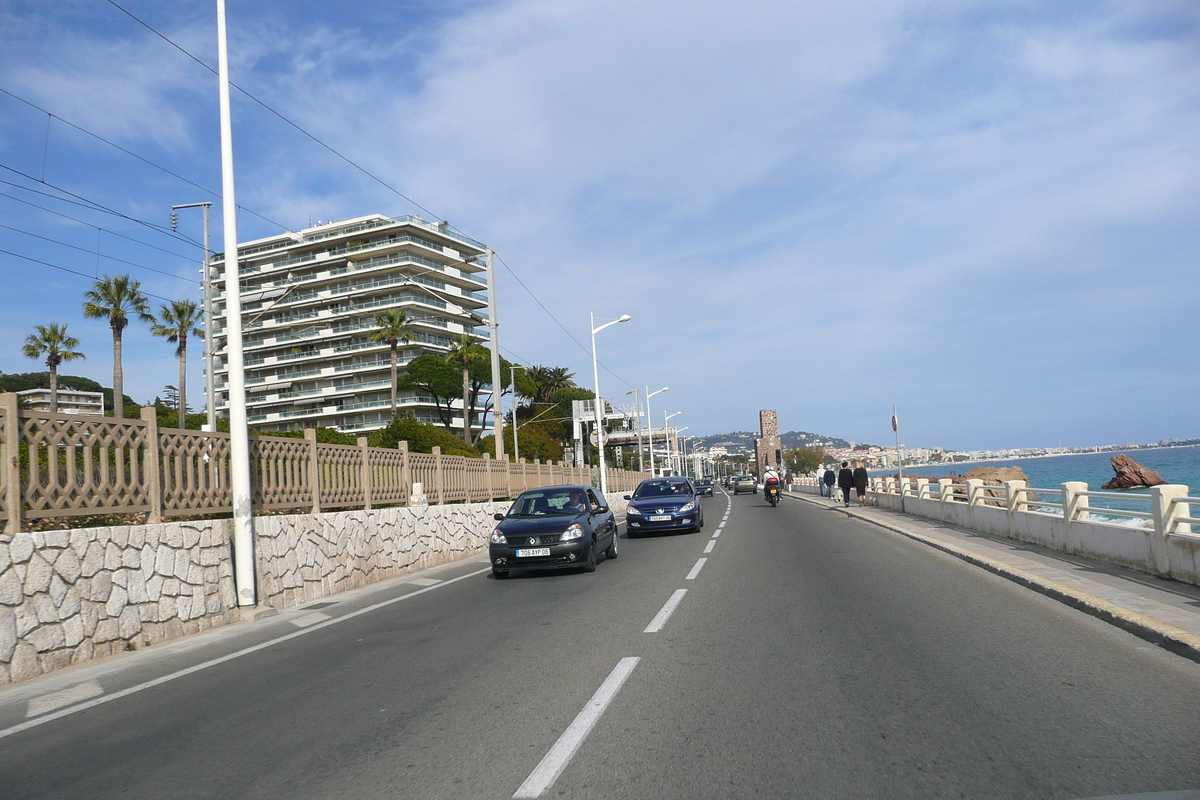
x: 810, y: 656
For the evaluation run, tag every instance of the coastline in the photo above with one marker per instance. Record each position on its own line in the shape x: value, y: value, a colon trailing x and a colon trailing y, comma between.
x: 976, y: 462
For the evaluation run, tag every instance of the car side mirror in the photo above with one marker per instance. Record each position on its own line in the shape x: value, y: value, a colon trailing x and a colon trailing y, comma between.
x: 497, y: 517
x: 627, y: 497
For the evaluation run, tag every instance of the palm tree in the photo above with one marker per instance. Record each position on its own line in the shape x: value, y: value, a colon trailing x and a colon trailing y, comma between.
x: 175, y: 323
x: 53, y: 343
x: 465, y: 348
x: 548, y: 380
x: 394, y: 327
x: 115, y: 298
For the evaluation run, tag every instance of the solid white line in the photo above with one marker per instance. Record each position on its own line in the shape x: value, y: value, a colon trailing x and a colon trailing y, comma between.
x: 33, y: 723
x: 546, y: 773
x: 665, y: 612
x: 49, y: 702
x: 696, y: 570
x: 711, y: 544
x: 424, y: 581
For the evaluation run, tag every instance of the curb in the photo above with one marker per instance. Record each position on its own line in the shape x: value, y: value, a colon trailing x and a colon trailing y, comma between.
x: 1176, y: 640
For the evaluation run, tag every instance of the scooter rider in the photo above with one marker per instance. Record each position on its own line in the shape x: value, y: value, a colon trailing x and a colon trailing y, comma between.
x: 770, y: 480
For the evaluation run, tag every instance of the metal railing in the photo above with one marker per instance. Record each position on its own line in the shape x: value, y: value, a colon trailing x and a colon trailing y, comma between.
x: 65, y: 465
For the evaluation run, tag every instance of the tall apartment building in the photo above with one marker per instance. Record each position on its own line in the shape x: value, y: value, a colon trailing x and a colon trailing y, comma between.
x: 309, y: 302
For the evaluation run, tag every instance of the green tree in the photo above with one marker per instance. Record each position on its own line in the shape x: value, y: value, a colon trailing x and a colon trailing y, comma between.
x: 175, y: 323
x: 463, y: 351
x: 394, y: 327
x: 115, y: 298
x: 421, y: 437
x: 803, y: 460
x: 52, y: 343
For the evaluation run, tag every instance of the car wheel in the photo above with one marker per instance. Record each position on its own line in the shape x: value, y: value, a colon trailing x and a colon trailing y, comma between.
x: 611, y: 550
x: 589, y: 565
x: 499, y: 574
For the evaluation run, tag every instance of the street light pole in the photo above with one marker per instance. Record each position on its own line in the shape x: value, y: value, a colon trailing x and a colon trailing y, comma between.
x: 497, y: 390
x: 676, y: 459
x: 210, y: 380
x: 512, y: 368
x: 667, y: 437
x: 650, y: 425
x: 239, y: 434
x: 599, y: 401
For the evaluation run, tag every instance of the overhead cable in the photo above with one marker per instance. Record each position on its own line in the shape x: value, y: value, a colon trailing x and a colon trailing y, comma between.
x: 101, y: 255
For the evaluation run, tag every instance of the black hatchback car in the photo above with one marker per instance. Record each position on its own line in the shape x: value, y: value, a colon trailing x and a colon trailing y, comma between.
x: 552, y: 528
x: 663, y: 504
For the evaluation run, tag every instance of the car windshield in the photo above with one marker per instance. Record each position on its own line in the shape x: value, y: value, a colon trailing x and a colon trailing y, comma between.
x: 662, y: 489
x: 549, y: 501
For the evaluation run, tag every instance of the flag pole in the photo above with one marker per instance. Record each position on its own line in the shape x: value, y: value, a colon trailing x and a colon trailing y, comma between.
x: 899, y: 458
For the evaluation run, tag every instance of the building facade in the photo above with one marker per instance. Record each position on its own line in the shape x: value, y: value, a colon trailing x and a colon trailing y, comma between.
x: 309, y: 302
x: 69, y: 401
x: 767, y: 446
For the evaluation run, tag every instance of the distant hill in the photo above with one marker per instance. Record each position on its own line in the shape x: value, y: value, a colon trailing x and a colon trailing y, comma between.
x: 744, y: 440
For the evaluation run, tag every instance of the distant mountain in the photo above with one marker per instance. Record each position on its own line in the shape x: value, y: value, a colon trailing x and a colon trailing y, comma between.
x: 743, y: 441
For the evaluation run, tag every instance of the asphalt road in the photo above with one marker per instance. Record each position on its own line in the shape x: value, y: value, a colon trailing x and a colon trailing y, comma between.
x: 811, y: 656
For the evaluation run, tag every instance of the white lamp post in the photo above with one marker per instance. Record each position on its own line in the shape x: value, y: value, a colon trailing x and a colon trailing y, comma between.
x: 667, y: 437
x: 239, y: 434
x: 650, y: 423
x: 599, y: 401
x: 677, y: 459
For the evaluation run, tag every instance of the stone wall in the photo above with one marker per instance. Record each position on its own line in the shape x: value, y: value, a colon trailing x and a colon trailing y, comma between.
x: 71, y: 595
x: 307, y: 556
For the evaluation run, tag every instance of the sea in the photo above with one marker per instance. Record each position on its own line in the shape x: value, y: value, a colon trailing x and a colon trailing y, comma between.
x: 1179, y: 465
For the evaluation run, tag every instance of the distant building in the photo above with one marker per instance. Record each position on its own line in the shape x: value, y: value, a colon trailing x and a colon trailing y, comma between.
x: 69, y: 401
x: 718, y: 450
x: 309, y: 302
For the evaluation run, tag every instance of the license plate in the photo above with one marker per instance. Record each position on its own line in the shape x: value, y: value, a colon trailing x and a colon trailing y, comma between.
x: 661, y: 518
x: 534, y: 551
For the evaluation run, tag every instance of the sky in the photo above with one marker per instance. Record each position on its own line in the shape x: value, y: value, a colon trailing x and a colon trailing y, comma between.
x: 982, y: 212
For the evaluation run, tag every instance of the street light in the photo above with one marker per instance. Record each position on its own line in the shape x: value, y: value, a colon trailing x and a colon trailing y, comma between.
x: 210, y: 380
x: 599, y: 401
x: 650, y: 423
x: 667, y: 435
x: 676, y: 460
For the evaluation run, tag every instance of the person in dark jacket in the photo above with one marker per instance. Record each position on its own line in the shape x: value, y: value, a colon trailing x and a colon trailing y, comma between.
x: 828, y: 481
x: 845, y: 481
x: 860, y: 482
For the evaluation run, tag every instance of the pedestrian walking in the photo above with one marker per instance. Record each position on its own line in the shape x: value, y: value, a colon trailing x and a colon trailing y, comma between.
x: 861, y: 479
x: 845, y: 480
x: 827, y: 483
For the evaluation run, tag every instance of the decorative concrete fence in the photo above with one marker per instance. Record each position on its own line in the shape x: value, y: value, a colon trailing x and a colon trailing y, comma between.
x: 1157, y: 538
x: 65, y: 465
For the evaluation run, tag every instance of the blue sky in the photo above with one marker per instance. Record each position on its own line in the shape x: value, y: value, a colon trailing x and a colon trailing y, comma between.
x: 983, y: 212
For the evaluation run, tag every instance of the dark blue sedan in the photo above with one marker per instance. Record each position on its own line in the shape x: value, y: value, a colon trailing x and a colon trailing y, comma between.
x: 663, y: 504
x: 552, y: 528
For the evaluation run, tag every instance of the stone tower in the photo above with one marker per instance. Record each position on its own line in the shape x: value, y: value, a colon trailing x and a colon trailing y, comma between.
x: 767, y: 447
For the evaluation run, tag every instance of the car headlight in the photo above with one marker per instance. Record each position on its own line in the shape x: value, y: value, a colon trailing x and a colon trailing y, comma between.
x: 498, y: 537
x: 633, y: 511
x: 688, y: 506
x: 572, y: 533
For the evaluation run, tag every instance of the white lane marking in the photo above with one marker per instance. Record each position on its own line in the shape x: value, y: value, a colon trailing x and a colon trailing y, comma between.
x: 424, y: 581
x: 310, y: 619
x: 33, y: 723
x: 665, y: 612
x: 716, y: 533
x: 711, y: 544
x: 546, y: 773
x: 49, y: 702
x: 696, y: 570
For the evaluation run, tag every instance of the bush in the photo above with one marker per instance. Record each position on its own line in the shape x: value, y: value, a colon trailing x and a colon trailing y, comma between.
x: 422, y: 438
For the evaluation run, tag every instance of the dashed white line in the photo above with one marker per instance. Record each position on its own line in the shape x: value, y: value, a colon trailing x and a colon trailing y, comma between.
x: 711, y: 544
x: 546, y: 773
x: 74, y: 694
x: 32, y: 723
x: 716, y: 533
x: 665, y: 612
x: 696, y: 570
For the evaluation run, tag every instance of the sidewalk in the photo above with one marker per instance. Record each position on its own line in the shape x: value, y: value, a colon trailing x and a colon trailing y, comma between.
x: 1161, y: 611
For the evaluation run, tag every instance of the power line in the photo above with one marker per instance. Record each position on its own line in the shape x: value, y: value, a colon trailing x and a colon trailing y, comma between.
x: 356, y: 166
x: 75, y: 272
x: 93, y: 205
x: 90, y: 225
x: 50, y: 115
x: 101, y: 255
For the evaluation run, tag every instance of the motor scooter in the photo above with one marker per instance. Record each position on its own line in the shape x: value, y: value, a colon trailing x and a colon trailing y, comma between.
x: 772, y: 493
